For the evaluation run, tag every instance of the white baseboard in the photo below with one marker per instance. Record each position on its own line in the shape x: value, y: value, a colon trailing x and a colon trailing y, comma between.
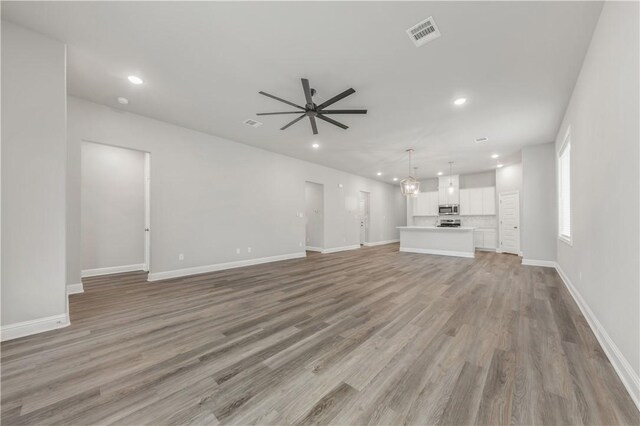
x: 628, y: 376
x: 485, y: 249
x: 381, y: 243
x: 310, y: 248
x: 337, y: 249
x: 27, y: 328
x: 75, y: 288
x: 438, y: 252
x: 112, y: 270
x: 156, y: 276
x: 534, y: 262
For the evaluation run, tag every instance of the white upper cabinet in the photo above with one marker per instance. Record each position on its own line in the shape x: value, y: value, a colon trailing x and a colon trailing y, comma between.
x: 445, y: 196
x: 426, y: 204
x: 489, y: 201
x: 465, y: 207
x: 477, y: 201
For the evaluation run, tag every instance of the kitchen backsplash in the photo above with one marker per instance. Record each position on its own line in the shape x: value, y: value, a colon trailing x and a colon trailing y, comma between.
x: 480, y: 221
x: 473, y: 221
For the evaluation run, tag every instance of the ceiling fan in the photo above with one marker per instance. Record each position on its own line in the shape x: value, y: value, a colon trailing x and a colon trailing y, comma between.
x: 314, y: 111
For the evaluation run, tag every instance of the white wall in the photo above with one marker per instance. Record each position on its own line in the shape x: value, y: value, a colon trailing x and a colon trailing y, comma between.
x: 210, y: 196
x: 314, y: 214
x: 539, y: 203
x: 478, y: 180
x: 509, y: 178
x: 33, y: 181
x: 603, y: 262
x: 112, y: 206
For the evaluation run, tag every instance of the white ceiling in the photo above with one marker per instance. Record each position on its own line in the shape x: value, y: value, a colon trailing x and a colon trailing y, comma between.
x: 203, y: 64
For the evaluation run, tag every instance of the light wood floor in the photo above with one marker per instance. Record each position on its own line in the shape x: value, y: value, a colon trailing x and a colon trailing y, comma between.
x: 368, y: 336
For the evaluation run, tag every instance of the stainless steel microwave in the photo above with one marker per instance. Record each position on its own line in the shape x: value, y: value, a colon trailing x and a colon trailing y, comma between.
x: 448, y: 209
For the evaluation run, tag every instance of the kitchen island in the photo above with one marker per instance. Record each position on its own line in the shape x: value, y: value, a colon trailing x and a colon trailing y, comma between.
x: 443, y: 241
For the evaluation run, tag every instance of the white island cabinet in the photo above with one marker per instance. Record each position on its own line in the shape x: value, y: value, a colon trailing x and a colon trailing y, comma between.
x: 435, y: 240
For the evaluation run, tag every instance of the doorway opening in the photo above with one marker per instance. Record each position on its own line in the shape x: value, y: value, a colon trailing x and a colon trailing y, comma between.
x: 509, y: 220
x: 363, y: 213
x: 115, y: 209
x: 314, y: 216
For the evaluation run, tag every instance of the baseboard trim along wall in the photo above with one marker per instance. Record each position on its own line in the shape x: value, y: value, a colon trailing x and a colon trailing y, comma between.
x: 534, y: 262
x: 157, y: 276
x: 438, y: 252
x: 310, y: 248
x: 27, y: 328
x: 627, y: 375
x: 381, y: 243
x: 112, y: 270
x: 337, y: 249
x: 75, y: 288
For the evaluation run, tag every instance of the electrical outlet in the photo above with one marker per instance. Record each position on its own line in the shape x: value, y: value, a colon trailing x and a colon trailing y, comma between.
x: 237, y: 251
x: 181, y: 256
x: 248, y: 249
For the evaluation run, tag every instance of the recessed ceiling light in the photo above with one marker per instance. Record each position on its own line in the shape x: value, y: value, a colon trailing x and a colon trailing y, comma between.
x: 495, y: 156
x: 123, y: 101
x: 395, y: 179
x: 379, y: 173
x: 480, y: 140
x: 499, y: 165
x: 439, y: 173
x: 135, y: 79
x: 460, y: 101
x: 315, y: 145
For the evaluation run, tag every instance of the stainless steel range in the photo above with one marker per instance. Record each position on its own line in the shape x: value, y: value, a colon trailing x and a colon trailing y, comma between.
x: 449, y: 223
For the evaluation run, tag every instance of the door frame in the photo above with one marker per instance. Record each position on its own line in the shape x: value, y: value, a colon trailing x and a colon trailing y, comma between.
x: 519, y: 248
x: 147, y: 198
x: 147, y: 211
x: 366, y: 196
x: 307, y: 247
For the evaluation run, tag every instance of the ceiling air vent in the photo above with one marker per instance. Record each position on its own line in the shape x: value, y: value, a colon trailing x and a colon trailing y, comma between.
x: 252, y: 123
x: 480, y: 140
x: 423, y: 32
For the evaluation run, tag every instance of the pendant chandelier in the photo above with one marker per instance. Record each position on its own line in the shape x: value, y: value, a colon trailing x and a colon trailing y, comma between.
x: 410, y: 185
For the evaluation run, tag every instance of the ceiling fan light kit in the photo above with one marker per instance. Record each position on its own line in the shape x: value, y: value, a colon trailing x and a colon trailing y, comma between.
x: 313, y: 111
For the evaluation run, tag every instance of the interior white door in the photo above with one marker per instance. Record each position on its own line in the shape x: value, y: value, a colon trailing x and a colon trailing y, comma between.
x: 364, y: 216
x: 509, y: 213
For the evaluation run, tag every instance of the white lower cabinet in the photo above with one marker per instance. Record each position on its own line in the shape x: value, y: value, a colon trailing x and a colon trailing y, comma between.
x: 478, y: 239
x: 490, y: 239
x: 485, y: 239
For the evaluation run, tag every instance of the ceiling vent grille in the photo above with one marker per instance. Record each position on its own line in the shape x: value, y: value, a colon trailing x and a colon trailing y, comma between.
x: 252, y: 123
x: 423, y: 32
x: 480, y: 140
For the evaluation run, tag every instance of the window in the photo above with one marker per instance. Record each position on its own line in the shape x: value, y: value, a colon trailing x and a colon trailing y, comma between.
x: 564, y: 189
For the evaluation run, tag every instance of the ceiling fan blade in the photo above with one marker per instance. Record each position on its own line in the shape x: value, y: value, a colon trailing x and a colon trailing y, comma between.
x: 307, y: 92
x: 280, y: 99
x: 314, y: 126
x: 334, y: 122
x: 343, y: 111
x: 336, y: 98
x: 276, y: 113
x: 294, y: 121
